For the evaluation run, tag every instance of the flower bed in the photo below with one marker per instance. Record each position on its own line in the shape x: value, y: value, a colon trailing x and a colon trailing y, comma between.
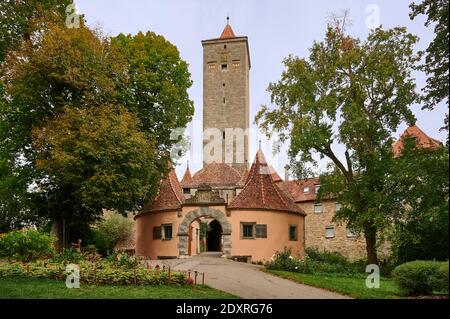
x: 102, y: 272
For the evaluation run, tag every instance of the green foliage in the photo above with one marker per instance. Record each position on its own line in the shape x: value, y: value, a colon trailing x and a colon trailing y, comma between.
x: 315, y: 263
x: 113, y: 229
x: 26, y: 245
x: 421, y: 277
x: 354, y: 93
x: 101, y: 273
x: 437, y: 54
x: 419, y: 186
x: 20, y: 19
x: 67, y: 256
x: 121, y: 259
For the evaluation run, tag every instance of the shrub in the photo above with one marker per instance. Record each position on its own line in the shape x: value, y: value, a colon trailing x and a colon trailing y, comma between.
x: 26, y: 245
x: 331, y: 257
x: 112, y: 229
x: 67, y: 256
x: 121, y: 259
x: 421, y: 277
x: 315, y: 262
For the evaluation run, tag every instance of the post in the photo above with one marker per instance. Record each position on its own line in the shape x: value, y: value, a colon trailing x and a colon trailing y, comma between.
x: 189, y: 276
x: 135, y: 276
x: 195, y: 279
x: 169, y: 276
x: 203, y: 278
x: 95, y: 273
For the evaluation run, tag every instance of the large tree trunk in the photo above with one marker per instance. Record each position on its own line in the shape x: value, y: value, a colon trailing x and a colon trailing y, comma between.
x: 370, y: 233
x: 58, y: 231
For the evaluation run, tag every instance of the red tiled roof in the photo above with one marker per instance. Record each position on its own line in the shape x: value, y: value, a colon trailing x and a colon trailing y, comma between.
x: 296, y: 189
x: 276, y: 178
x: 170, y: 195
x: 187, y: 181
x: 216, y: 175
x: 260, y: 191
x: 244, y: 178
x: 422, y: 140
x: 227, y: 32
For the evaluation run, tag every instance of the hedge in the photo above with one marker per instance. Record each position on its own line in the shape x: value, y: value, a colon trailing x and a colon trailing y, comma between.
x: 422, y: 277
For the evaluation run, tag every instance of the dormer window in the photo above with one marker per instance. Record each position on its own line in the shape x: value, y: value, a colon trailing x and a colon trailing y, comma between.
x: 186, y: 190
x: 306, y: 190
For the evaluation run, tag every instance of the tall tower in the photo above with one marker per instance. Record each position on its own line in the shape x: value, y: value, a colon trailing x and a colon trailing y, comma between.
x: 226, y: 65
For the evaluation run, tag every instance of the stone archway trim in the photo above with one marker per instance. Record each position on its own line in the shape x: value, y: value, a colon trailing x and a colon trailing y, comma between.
x: 183, y: 229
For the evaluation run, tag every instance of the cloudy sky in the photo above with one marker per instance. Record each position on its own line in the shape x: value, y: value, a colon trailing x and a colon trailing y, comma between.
x: 275, y: 29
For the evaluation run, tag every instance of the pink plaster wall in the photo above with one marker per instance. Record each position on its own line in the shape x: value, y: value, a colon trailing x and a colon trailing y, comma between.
x: 259, y: 248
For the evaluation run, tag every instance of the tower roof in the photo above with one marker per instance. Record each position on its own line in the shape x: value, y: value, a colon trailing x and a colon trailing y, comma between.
x: 244, y: 178
x: 187, y: 181
x: 170, y: 194
x: 422, y: 140
x: 227, y: 32
x: 260, y: 191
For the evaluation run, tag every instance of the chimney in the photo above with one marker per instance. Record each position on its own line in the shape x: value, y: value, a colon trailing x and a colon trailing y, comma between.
x: 286, y: 173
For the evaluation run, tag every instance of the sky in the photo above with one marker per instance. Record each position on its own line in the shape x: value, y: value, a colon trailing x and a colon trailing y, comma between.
x: 275, y: 29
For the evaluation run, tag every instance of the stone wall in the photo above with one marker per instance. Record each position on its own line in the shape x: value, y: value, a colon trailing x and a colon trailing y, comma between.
x: 352, y: 247
x: 226, y: 91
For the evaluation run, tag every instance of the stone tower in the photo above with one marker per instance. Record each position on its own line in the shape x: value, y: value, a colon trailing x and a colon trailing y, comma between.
x: 226, y: 65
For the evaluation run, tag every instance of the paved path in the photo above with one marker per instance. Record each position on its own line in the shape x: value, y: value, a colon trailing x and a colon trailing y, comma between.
x: 247, y: 280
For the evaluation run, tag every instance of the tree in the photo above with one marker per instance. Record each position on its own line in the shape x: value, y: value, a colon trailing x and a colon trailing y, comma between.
x: 437, y: 55
x: 156, y: 90
x: 94, y: 159
x: 353, y: 93
x: 19, y: 19
x: 86, y: 123
x: 419, y: 186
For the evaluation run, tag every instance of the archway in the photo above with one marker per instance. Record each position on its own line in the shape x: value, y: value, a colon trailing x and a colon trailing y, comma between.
x: 183, y: 229
x: 214, y: 236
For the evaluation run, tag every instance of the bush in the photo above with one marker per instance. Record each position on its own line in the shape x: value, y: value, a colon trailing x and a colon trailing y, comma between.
x: 111, y: 230
x: 67, y: 256
x: 421, y: 277
x: 26, y: 245
x: 101, y: 273
x: 315, y: 262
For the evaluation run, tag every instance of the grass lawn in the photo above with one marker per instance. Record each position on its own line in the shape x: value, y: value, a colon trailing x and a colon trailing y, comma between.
x: 23, y: 288
x: 353, y: 287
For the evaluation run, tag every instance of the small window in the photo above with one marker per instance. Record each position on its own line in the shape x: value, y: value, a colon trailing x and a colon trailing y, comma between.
x: 186, y: 190
x: 292, y: 232
x: 167, y: 231
x: 247, y: 230
x: 224, y: 46
x: 318, y: 208
x: 224, y: 67
x: 261, y: 231
x: 223, y: 84
x: 211, y: 66
x: 305, y: 190
x: 338, y: 206
x: 317, y: 187
x: 157, y: 232
x: 223, y: 134
x: 351, y: 233
x: 329, y: 232
x: 223, y: 100
x: 236, y: 64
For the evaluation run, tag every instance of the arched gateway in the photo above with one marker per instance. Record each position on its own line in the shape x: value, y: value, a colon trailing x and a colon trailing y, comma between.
x: 183, y: 229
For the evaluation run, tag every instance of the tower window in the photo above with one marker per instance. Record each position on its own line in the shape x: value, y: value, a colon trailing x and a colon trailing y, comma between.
x: 224, y: 67
x: 225, y: 46
x: 211, y: 66
x: 236, y: 64
x: 223, y: 100
x: 223, y: 84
